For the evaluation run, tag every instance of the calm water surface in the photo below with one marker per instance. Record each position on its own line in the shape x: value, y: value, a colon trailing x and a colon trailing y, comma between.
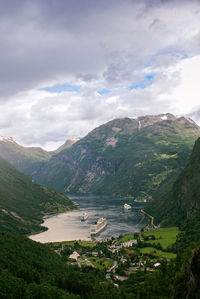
x: 68, y: 226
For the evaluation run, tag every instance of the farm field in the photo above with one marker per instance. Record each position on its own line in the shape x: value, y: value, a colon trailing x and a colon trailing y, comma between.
x: 165, y: 236
x: 100, y: 263
x: 157, y: 252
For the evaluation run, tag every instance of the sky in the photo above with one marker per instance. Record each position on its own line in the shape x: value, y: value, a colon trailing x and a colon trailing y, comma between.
x: 69, y: 66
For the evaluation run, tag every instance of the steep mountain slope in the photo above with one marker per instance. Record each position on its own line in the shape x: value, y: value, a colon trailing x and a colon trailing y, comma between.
x: 21, y: 157
x: 23, y: 203
x: 137, y: 157
x: 184, y: 198
x: 187, y: 282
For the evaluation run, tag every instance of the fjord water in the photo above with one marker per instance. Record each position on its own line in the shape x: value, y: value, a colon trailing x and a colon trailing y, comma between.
x: 68, y: 226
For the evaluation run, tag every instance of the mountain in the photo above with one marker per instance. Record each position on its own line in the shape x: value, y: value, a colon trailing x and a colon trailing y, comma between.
x: 139, y: 157
x: 68, y: 143
x: 184, y: 198
x: 21, y: 157
x: 23, y: 203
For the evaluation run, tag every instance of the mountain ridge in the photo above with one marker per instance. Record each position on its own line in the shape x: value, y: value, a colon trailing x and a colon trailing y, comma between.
x: 21, y: 157
x: 125, y: 157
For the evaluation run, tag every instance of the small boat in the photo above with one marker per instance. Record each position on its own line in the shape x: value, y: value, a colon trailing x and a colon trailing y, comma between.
x: 98, y: 227
x: 84, y: 216
x: 127, y: 207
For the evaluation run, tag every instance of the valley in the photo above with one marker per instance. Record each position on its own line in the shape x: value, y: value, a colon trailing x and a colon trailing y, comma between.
x: 68, y: 226
x: 100, y: 149
x: 147, y: 163
x: 129, y: 157
x: 122, y: 158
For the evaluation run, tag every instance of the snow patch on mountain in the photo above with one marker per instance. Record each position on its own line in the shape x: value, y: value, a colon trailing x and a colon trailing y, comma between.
x: 133, y: 117
x: 6, y: 139
x: 164, y: 117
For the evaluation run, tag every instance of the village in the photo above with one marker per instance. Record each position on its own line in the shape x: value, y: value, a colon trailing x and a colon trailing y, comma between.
x: 120, y: 257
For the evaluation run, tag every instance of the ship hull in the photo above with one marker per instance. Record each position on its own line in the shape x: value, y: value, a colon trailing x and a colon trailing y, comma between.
x: 93, y: 234
x: 99, y: 227
x: 84, y: 217
x: 127, y: 207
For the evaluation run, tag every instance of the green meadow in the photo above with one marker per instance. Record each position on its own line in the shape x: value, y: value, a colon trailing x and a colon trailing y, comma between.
x: 165, y: 236
x: 100, y: 263
x: 157, y: 252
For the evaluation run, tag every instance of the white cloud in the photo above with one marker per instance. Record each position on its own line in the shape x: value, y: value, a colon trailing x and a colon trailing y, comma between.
x: 187, y: 94
x: 109, y: 45
x: 42, y: 118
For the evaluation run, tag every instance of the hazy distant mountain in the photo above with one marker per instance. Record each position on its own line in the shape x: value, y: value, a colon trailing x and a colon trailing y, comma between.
x: 23, y: 203
x: 68, y: 143
x: 130, y: 157
x: 184, y: 198
x: 21, y: 157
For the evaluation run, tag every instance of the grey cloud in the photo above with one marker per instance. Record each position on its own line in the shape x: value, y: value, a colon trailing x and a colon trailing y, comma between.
x: 44, y: 40
x: 157, y: 24
x: 87, y: 77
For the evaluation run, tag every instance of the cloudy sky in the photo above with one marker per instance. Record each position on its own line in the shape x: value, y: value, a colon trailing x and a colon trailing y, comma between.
x: 68, y: 66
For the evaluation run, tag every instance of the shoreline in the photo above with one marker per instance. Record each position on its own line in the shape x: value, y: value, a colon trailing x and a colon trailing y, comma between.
x: 61, y: 227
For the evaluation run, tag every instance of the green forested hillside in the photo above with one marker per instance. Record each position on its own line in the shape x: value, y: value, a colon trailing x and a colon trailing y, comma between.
x: 23, y: 203
x: 130, y: 157
x: 32, y: 270
x: 184, y: 198
x: 21, y: 157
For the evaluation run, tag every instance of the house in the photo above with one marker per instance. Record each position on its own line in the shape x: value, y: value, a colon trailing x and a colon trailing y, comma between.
x: 123, y: 260
x: 129, y: 243
x: 74, y: 256
x: 95, y: 253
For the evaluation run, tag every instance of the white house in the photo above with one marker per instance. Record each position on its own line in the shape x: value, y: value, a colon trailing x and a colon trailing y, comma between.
x: 129, y: 243
x: 74, y: 256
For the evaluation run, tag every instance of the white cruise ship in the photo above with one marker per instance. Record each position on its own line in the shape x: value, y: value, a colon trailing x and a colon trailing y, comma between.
x: 127, y: 207
x: 98, y: 227
x: 84, y: 216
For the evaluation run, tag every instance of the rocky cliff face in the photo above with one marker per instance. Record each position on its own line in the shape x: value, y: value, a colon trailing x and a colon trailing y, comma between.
x: 194, y: 278
x: 187, y: 282
x: 186, y: 189
x: 136, y: 157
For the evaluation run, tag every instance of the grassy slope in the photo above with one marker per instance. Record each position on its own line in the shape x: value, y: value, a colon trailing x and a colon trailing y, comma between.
x: 165, y: 236
x: 157, y: 252
x: 23, y: 203
x: 100, y: 263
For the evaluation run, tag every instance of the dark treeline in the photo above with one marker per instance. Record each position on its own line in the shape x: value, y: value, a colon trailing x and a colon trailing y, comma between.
x: 32, y: 270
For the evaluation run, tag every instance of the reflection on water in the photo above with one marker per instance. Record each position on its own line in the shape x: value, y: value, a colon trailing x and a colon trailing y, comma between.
x: 68, y: 226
